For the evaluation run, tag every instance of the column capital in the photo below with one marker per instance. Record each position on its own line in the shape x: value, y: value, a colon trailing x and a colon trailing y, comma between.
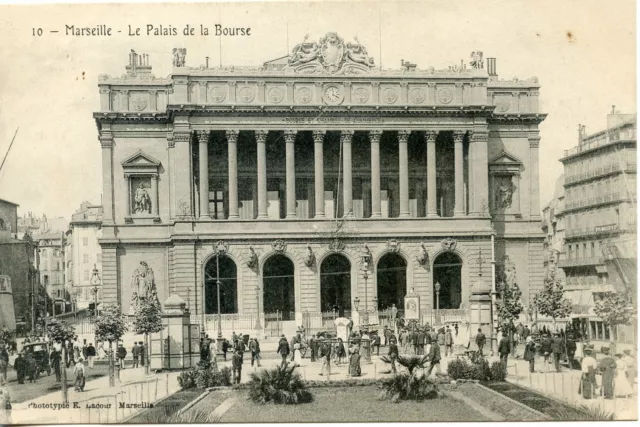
x: 106, y: 139
x: 479, y: 136
x: 347, y: 84
x: 154, y: 177
x: 458, y: 136
x: 430, y: 135
x: 403, y: 135
x: 534, y: 142
x: 232, y: 82
x: 290, y: 84
x: 261, y: 135
x: 375, y: 84
x: 346, y: 135
x: 261, y: 83
x: 374, y: 135
x: 203, y: 136
x: 182, y: 136
x: 290, y: 135
x: 318, y: 135
x: 232, y: 135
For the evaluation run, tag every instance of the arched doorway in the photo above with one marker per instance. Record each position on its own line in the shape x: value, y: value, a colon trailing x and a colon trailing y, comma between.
x: 228, y: 286
x: 392, y: 281
x: 335, y: 284
x: 278, y: 286
x: 447, y: 270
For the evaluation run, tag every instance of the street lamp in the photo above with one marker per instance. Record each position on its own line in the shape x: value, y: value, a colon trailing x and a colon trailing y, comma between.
x: 530, y: 313
x: 219, y: 340
x: 356, y: 303
x: 437, y: 288
x: 258, y: 325
x: 366, y: 259
x: 95, y: 282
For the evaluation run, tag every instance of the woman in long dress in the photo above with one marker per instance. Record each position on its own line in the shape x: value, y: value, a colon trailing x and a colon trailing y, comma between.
x: 297, y: 356
x: 621, y: 382
x: 354, y: 362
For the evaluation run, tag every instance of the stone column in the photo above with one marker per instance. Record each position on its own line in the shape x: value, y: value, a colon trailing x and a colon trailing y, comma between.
x: 534, y: 183
x: 403, y: 136
x: 376, y: 207
x: 106, y: 143
x: 479, y: 175
x: 261, y: 138
x: 432, y: 202
x: 232, y: 140
x: 318, y: 140
x: 345, y: 140
x: 290, y: 138
x: 458, y: 137
x: 171, y: 145
x: 203, y: 139
x: 183, y: 173
x: 154, y: 192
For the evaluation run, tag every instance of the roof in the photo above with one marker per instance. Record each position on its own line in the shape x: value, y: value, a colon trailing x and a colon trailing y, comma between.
x: 11, y: 203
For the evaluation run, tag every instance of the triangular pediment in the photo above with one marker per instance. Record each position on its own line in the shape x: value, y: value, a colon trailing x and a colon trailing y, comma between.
x: 140, y: 159
x: 506, y: 159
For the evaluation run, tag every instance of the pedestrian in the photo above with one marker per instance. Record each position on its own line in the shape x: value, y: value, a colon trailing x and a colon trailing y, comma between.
x: 631, y: 366
x: 283, y: 350
x: 386, y: 332
x: 55, y: 359
x: 480, y: 341
x: 393, y: 354
x: 526, y: 333
x: 448, y: 343
x: 519, y: 333
x: 84, y: 349
x: 4, y: 363
x: 354, y: 362
x: 588, y: 378
x: 341, y: 352
x: 530, y: 353
x: 33, y: 370
x: 434, y: 358
x: 608, y: 368
x: 241, y: 347
x: 135, y: 352
x: 545, y: 348
x: 91, y: 354
x: 71, y: 360
x: 225, y: 348
x: 204, y: 351
x: 414, y: 341
x: 312, y: 347
x: 556, y: 348
x: 256, y: 350
x: 143, y: 353
x: 78, y: 371
x: 325, y: 353
x: 504, y: 348
x: 622, y: 385
x: 376, y: 344
x: 236, y: 364
x: 121, y: 353
x: 571, y: 352
x: 20, y: 365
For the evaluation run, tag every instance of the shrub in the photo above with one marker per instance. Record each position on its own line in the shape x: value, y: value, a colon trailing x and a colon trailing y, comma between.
x: 281, y: 385
x: 580, y: 413
x: 463, y: 369
x: 187, y: 379
x: 205, y: 375
x: 498, y: 371
x: 409, y: 387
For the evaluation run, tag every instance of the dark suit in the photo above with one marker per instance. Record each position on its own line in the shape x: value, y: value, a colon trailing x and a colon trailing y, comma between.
x: 503, y: 349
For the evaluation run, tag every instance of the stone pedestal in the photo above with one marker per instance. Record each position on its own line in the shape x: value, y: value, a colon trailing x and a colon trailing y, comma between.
x: 343, y: 328
x: 177, y: 346
x: 480, y: 316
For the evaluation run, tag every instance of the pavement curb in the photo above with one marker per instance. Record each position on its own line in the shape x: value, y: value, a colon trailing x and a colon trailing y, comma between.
x: 194, y: 401
x: 515, y: 402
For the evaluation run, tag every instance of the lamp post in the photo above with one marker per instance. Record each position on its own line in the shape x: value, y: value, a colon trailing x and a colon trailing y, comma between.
x: 356, y: 304
x: 530, y: 313
x: 437, y: 288
x: 219, y: 340
x: 258, y: 325
x: 366, y: 257
x: 375, y: 308
x: 95, y: 282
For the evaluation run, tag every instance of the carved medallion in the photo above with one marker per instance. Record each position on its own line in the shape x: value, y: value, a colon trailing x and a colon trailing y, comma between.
x: 304, y: 95
x: 247, y: 94
x: 389, y: 95
x: 449, y: 244
x: 279, y: 245
x: 221, y: 247
x: 336, y: 245
x: 445, y: 95
x: 218, y: 93
x: 275, y: 95
x: 393, y: 245
x: 361, y: 95
x: 332, y: 51
x: 418, y: 95
x: 502, y: 107
x: 138, y: 102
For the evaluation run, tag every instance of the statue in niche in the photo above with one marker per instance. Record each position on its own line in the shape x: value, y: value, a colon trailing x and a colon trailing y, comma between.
x: 143, y: 284
x: 179, y: 55
x: 142, y: 201
x: 504, y: 192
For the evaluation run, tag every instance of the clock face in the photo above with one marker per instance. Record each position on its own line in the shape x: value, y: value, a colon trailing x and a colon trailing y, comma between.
x: 332, y: 94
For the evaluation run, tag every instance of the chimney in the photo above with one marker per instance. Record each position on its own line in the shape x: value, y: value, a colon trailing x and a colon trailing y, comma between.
x: 207, y: 61
x: 491, y: 66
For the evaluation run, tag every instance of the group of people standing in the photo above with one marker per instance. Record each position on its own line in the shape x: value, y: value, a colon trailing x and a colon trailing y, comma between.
x: 238, y: 345
x: 417, y: 340
x: 618, y: 374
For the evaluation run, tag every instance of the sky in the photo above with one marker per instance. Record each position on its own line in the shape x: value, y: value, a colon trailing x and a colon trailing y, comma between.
x: 582, y: 51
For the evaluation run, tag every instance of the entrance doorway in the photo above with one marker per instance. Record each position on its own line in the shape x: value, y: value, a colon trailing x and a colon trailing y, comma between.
x: 228, y: 286
x: 447, y: 270
x: 392, y: 281
x: 278, y: 286
x: 335, y: 284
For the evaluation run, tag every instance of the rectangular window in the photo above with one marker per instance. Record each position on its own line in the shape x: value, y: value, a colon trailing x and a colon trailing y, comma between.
x: 85, y: 241
x: 85, y: 258
x: 86, y: 275
x: 216, y: 204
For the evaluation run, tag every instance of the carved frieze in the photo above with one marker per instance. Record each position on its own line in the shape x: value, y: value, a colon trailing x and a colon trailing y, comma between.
x: 304, y: 95
x: 279, y: 245
x: 360, y: 95
x: 275, y: 95
x: 417, y: 95
x: 221, y: 247
x: 423, y: 255
x: 448, y: 244
x: 393, y: 245
x: 217, y: 93
x: 252, y: 259
x: 390, y: 95
x: 138, y: 101
x: 246, y: 94
x: 310, y: 257
x: 336, y: 246
x: 445, y: 95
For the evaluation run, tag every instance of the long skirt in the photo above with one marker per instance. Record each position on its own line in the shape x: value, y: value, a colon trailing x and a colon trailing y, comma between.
x: 354, y: 365
x: 587, y: 385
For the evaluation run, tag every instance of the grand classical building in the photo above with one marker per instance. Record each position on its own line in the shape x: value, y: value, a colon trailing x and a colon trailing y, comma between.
x: 316, y: 182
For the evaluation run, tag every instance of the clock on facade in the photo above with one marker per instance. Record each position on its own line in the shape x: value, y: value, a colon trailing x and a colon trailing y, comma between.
x: 332, y: 95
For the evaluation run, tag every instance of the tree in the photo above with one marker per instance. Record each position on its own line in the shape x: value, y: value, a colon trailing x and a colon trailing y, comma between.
x: 110, y: 327
x: 509, y: 306
x: 615, y: 309
x: 550, y: 300
x: 148, y: 320
x: 59, y: 331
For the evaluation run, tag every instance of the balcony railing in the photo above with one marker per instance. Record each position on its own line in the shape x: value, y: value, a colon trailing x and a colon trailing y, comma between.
x: 601, y: 141
x: 600, y: 230
x: 580, y: 262
x: 602, y: 171
x: 598, y: 200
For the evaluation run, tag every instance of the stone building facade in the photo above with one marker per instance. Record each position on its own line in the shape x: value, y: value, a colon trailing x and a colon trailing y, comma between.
x: 317, y: 179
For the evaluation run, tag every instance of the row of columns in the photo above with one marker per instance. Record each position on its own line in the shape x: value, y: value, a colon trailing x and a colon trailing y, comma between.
x: 345, y: 141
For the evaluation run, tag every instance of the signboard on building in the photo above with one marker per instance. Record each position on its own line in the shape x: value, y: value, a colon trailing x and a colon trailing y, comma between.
x: 412, y: 307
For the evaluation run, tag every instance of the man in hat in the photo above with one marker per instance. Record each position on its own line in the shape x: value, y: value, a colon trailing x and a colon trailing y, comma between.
x: 20, y: 365
x: 236, y: 364
x: 504, y: 347
x: 588, y: 379
x: 556, y: 348
x: 393, y: 354
x: 608, y: 367
x: 143, y: 353
x: 480, y: 340
x: 121, y: 353
x: 135, y: 352
x: 283, y: 350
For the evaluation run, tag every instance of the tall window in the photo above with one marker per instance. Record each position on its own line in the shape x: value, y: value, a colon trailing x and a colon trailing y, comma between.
x: 216, y: 204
